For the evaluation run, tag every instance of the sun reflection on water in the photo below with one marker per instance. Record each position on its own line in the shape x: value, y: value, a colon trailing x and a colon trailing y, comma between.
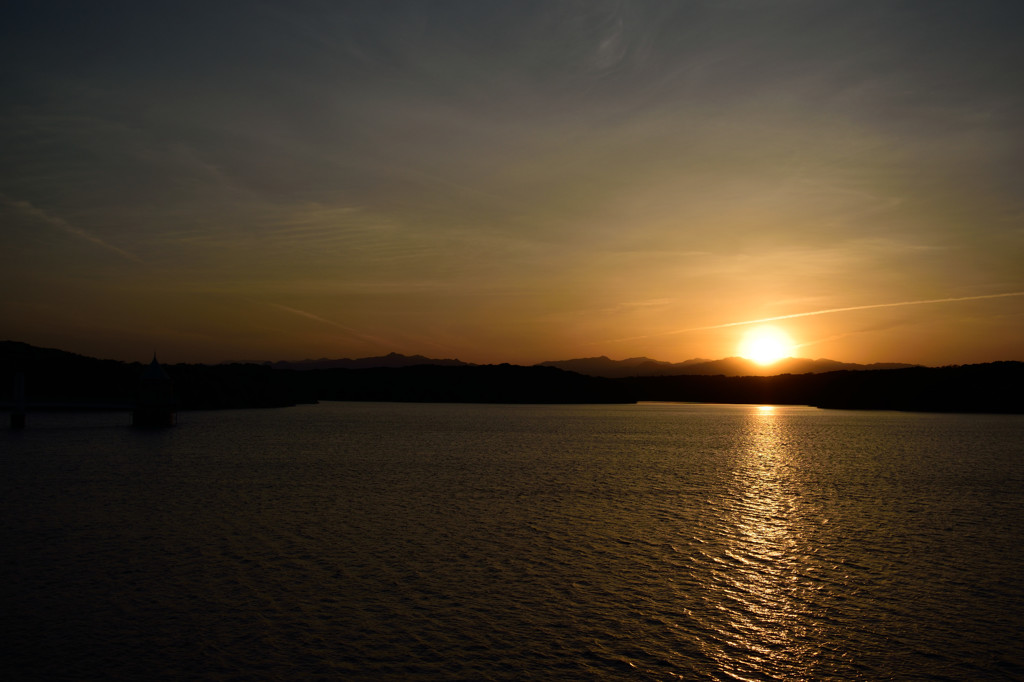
x: 760, y: 582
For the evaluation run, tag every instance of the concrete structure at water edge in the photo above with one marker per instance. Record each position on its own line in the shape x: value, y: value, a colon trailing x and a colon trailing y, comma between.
x: 155, y: 404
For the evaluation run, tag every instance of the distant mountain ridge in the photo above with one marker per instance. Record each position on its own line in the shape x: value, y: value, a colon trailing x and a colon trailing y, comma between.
x: 389, y: 360
x: 54, y: 379
x: 603, y: 366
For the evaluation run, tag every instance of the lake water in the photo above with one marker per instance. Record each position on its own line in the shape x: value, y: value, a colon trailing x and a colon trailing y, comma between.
x: 425, y: 541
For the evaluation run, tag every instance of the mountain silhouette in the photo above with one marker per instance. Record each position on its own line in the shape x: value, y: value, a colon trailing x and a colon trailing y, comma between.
x: 389, y: 360
x: 731, y: 367
x: 603, y: 366
x: 54, y: 379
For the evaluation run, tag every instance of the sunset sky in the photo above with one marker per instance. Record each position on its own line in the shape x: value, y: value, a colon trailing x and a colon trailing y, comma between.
x: 513, y: 182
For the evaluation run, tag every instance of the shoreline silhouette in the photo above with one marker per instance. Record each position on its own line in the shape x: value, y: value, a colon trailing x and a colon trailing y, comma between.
x: 55, y: 379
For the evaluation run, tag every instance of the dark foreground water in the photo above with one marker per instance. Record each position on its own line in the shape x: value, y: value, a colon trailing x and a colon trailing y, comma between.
x: 383, y: 541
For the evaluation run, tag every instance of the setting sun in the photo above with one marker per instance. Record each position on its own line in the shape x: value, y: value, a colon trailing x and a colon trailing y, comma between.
x: 765, y: 345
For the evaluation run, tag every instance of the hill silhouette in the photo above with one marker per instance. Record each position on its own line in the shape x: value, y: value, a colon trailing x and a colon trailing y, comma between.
x: 55, y: 378
x: 990, y: 387
x: 466, y: 384
x: 389, y: 360
x: 602, y: 366
x: 645, y: 367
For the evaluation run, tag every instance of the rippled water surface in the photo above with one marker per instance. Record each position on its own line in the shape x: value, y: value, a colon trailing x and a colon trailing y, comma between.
x: 376, y: 541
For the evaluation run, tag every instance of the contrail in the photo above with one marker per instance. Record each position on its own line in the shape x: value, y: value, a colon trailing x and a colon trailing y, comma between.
x: 311, y: 316
x: 64, y: 225
x: 829, y: 311
x: 303, y: 313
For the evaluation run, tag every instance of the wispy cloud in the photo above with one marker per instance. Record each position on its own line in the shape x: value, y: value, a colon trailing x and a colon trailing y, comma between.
x: 324, y: 320
x: 829, y: 311
x: 66, y: 227
x: 872, y: 306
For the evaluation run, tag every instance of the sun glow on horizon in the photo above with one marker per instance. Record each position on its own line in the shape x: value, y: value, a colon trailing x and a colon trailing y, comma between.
x: 765, y: 345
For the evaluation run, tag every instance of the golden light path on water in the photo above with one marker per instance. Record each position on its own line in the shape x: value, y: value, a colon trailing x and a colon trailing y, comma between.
x: 449, y: 541
x: 763, y: 573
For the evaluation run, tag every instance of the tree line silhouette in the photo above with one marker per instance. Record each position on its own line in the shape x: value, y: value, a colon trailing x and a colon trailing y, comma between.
x: 54, y: 379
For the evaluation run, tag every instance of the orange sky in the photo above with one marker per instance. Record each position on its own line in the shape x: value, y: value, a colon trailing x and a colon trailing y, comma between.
x: 537, y: 181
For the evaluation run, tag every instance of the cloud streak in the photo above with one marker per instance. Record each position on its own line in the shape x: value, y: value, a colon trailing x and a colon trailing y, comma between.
x: 830, y: 311
x: 64, y: 226
x: 348, y: 330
